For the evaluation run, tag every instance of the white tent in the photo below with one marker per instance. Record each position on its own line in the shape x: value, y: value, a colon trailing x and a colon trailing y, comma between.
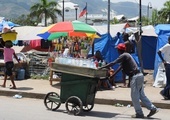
x: 28, y: 32
x: 114, y: 29
x: 147, y: 30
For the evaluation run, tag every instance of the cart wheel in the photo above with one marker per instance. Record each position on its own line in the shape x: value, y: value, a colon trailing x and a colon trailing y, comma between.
x: 88, y: 108
x: 50, y: 102
x: 74, y: 105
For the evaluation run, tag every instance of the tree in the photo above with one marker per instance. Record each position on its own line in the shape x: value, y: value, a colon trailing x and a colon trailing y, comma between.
x: 154, y: 17
x: 45, y: 10
x: 24, y: 20
x: 165, y: 12
x: 115, y: 21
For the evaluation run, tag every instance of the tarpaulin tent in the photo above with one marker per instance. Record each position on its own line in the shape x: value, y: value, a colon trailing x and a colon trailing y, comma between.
x: 102, y: 29
x: 149, y: 41
x: 106, y: 45
x: 163, y: 32
x: 148, y: 51
x: 8, y: 24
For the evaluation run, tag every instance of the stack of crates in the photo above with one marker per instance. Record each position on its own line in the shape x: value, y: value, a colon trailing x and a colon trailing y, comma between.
x: 36, y: 65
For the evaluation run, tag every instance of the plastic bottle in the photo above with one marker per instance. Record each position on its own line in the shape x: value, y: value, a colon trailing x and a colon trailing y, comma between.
x: 21, y: 74
x: 17, y: 96
x: 57, y: 59
x: 100, y: 63
x: 96, y: 63
x: 103, y: 63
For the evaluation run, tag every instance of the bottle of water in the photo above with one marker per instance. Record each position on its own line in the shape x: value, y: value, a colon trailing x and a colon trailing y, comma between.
x: 96, y: 63
x: 88, y: 63
x: 57, y: 59
x: 69, y: 60
x: 103, y: 63
x: 100, y: 63
x: 81, y: 62
x: 92, y: 64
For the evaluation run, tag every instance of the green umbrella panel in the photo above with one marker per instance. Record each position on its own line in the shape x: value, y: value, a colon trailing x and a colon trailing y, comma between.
x: 56, y: 35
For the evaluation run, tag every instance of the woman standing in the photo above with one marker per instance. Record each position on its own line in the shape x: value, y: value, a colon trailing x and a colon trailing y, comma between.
x: 9, y: 64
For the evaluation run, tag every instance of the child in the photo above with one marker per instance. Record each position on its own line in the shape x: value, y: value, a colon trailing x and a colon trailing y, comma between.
x: 111, y: 77
x: 109, y: 82
x: 9, y: 64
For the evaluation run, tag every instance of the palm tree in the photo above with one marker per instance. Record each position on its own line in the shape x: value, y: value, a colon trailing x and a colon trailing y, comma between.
x: 165, y: 12
x: 45, y: 10
x: 155, y: 17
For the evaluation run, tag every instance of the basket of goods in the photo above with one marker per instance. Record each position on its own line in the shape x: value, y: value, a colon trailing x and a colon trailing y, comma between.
x: 9, y: 35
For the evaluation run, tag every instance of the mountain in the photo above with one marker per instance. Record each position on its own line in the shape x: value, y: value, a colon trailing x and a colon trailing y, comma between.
x: 129, y: 9
x: 14, y: 8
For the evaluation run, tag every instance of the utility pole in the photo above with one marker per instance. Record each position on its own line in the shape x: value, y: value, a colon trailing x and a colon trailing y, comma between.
x: 76, y: 8
x: 63, y: 10
x: 139, y: 42
x: 140, y: 18
x: 108, y: 14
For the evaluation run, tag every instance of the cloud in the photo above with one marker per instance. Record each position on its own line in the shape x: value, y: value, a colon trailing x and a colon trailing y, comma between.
x: 156, y: 4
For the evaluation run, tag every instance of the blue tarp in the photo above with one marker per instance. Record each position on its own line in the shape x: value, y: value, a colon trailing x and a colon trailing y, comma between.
x: 7, y: 23
x: 148, y: 51
x: 163, y: 32
x: 106, y: 45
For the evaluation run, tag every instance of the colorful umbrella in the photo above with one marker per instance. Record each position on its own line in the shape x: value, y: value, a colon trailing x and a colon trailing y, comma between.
x: 67, y: 28
x: 75, y: 26
x: 52, y: 36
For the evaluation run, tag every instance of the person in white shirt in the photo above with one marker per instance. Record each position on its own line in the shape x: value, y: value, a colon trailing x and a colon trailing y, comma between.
x: 164, y: 54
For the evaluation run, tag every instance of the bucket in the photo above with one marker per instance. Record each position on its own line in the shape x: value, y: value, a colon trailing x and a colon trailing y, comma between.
x: 9, y: 36
x: 21, y: 74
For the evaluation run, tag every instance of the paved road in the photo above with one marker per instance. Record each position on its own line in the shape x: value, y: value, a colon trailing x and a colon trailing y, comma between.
x: 37, y: 88
x: 34, y: 109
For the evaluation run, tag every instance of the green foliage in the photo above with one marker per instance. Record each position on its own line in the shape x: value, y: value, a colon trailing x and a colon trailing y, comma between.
x: 164, y: 13
x: 45, y: 9
x: 115, y: 21
x: 158, y: 17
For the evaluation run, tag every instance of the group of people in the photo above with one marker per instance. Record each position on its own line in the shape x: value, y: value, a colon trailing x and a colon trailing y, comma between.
x: 128, y: 66
x: 73, y: 44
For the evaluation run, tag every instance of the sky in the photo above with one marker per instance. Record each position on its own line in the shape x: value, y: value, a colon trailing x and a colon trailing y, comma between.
x: 158, y: 4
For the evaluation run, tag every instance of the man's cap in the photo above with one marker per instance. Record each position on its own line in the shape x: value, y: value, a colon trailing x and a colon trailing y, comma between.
x: 121, y: 46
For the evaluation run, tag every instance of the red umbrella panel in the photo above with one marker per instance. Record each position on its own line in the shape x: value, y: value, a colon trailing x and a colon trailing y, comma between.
x: 74, y: 28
